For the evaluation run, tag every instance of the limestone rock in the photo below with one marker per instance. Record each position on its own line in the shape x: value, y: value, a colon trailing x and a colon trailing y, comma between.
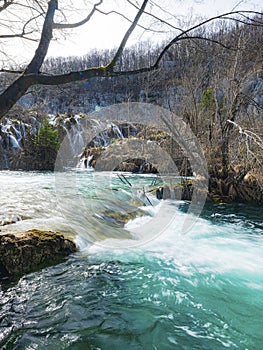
x: 32, y: 250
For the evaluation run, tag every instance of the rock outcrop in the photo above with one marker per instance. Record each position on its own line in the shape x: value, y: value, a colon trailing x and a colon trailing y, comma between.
x: 32, y: 250
x: 238, y: 186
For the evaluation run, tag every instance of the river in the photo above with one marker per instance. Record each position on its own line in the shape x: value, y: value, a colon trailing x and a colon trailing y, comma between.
x: 200, y: 289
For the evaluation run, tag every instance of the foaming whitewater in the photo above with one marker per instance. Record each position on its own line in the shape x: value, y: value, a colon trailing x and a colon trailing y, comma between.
x: 200, y: 289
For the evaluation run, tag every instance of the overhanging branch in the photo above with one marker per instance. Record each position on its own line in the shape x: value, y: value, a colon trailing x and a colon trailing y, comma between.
x: 184, y: 34
x: 44, y: 79
x: 5, y: 5
x: 119, y: 52
x: 77, y: 24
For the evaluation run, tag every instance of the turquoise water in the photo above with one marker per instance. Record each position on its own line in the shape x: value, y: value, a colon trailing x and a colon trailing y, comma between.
x: 201, y: 289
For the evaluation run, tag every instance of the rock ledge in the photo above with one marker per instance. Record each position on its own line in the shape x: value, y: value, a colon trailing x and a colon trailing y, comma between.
x: 32, y: 250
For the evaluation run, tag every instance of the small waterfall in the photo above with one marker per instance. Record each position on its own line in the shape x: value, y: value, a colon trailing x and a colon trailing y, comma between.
x: 12, y: 134
x: 14, y: 142
x: 104, y: 134
x: 16, y: 130
x: 117, y: 131
x: 84, y: 163
x: 75, y: 133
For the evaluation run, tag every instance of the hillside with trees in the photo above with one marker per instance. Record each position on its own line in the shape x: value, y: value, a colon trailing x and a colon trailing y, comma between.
x: 210, y: 74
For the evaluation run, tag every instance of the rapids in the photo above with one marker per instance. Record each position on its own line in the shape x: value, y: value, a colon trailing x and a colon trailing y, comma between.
x: 200, y: 289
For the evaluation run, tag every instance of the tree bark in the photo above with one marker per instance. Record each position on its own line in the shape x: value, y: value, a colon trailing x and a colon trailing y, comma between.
x: 46, y: 36
x: 14, y: 92
x: 20, y: 86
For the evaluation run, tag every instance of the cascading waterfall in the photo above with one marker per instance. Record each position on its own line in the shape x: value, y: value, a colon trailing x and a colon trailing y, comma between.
x: 104, y: 137
x: 75, y: 133
x: 84, y: 162
x: 12, y: 134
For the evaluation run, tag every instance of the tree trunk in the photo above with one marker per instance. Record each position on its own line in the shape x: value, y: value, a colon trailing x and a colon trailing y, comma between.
x: 14, y: 92
x: 225, y: 156
x: 20, y: 86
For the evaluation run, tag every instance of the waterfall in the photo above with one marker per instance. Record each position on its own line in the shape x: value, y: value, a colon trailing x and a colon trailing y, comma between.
x: 84, y: 163
x: 105, y: 136
x: 117, y: 131
x: 14, y: 142
x: 74, y: 133
x: 103, y: 133
x: 13, y: 133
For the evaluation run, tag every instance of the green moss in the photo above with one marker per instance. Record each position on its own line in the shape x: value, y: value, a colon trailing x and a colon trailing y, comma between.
x: 32, y: 251
x: 158, y: 136
x: 121, y: 218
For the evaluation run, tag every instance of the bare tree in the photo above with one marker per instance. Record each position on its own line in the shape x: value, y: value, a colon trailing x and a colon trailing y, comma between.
x: 32, y: 75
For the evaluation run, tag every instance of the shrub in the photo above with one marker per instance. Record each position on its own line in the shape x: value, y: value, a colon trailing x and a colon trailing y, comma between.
x: 47, y: 137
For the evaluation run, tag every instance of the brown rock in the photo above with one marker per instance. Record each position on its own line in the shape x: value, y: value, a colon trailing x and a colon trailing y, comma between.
x: 32, y: 250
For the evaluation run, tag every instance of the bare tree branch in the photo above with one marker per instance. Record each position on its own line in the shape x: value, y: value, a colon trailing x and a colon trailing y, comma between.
x: 21, y: 35
x: 6, y: 4
x: 127, y: 19
x: 199, y: 25
x: 248, y: 134
x: 11, y: 71
x: 80, y: 23
x: 46, y: 37
x: 119, y: 52
x: 157, y: 18
x: 85, y: 74
x: 250, y: 138
x: 24, y: 32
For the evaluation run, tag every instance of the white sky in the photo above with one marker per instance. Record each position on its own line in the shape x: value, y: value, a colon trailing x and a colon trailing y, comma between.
x: 107, y: 31
x: 104, y: 32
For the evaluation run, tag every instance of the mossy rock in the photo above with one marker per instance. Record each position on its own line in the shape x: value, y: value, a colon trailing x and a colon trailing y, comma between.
x: 120, y: 218
x: 32, y: 250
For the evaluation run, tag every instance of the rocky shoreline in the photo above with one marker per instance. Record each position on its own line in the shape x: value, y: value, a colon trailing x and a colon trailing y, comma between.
x: 29, y: 251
